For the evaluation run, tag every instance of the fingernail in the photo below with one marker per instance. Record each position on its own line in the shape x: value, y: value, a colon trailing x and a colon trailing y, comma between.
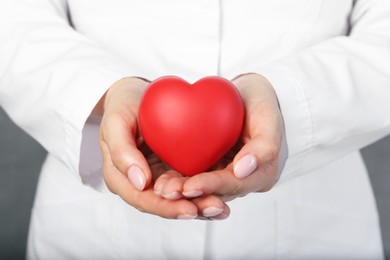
x: 193, y: 193
x: 245, y: 166
x: 211, y: 212
x: 221, y: 216
x: 136, y: 177
x: 186, y: 216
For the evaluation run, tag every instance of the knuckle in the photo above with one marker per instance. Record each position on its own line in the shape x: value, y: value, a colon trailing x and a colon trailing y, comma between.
x: 109, y: 184
x: 111, y: 189
x: 115, y: 154
x: 141, y: 209
x: 271, y: 151
x: 266, y: 188
x: 117, y: 158
x: 237, y: 188
x: 137, y: 204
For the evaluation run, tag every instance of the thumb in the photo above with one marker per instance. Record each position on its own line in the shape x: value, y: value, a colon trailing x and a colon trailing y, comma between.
x: 254, y: 153
x: 119, y: 130
x: 259, y: 152
x: 118, y: 138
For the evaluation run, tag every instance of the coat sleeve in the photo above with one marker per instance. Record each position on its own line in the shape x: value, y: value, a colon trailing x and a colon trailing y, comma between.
x: 51, y: 76
x: 335, y: 95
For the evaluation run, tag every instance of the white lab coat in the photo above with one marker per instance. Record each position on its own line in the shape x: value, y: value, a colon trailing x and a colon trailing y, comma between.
x: 329, y: 62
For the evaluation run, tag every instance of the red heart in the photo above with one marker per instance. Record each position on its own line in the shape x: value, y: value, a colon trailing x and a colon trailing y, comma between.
x: 190, y: 127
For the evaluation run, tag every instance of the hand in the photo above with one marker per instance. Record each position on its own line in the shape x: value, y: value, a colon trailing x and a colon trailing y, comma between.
x: 126, y: 171
x: 256, y: 165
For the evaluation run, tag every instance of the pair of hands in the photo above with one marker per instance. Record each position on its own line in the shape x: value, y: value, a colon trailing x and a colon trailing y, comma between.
x: 142, y: 180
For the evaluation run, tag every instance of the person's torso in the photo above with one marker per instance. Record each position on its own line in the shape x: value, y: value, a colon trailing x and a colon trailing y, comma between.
x: 195, y: 38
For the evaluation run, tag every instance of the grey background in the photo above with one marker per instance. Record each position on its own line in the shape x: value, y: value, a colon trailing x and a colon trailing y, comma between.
x: 20, y: 162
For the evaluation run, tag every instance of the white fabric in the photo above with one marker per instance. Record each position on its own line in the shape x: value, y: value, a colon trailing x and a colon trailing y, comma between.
x: 329, y: 62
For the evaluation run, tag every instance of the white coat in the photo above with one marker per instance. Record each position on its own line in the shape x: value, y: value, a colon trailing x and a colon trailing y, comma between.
x: 329, y: 62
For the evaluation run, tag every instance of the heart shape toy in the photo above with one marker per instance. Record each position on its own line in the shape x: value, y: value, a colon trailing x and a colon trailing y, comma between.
x: 190, y: 127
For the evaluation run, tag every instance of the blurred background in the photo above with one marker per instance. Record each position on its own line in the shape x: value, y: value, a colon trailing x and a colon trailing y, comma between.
x: 21, y: 158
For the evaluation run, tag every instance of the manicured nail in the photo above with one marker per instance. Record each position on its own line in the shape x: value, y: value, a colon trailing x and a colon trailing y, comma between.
x: 221, y: 216
x: 192, y: 193
x: 136, y: 177
x: 245, y: 166
x: 211, y: 212
x: 186, y: 216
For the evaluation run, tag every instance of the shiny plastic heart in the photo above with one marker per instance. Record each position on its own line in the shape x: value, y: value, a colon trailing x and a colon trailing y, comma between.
x: 190, y: 127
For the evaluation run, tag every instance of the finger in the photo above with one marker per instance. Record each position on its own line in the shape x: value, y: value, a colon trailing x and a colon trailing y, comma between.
x: 161, y: 182
x: 145, y: 201
x: 219, y: 182
x: 211, y: 207
x: 112, y: 175
x: 262, y: 140
x: 259, y: 157
x: 255, y: 153
x: 263, y: 121
x: 119, y: 130
x: 174, y: 187
x: 224, y: 215
x: 118, y: 134
x: 227, y: 186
